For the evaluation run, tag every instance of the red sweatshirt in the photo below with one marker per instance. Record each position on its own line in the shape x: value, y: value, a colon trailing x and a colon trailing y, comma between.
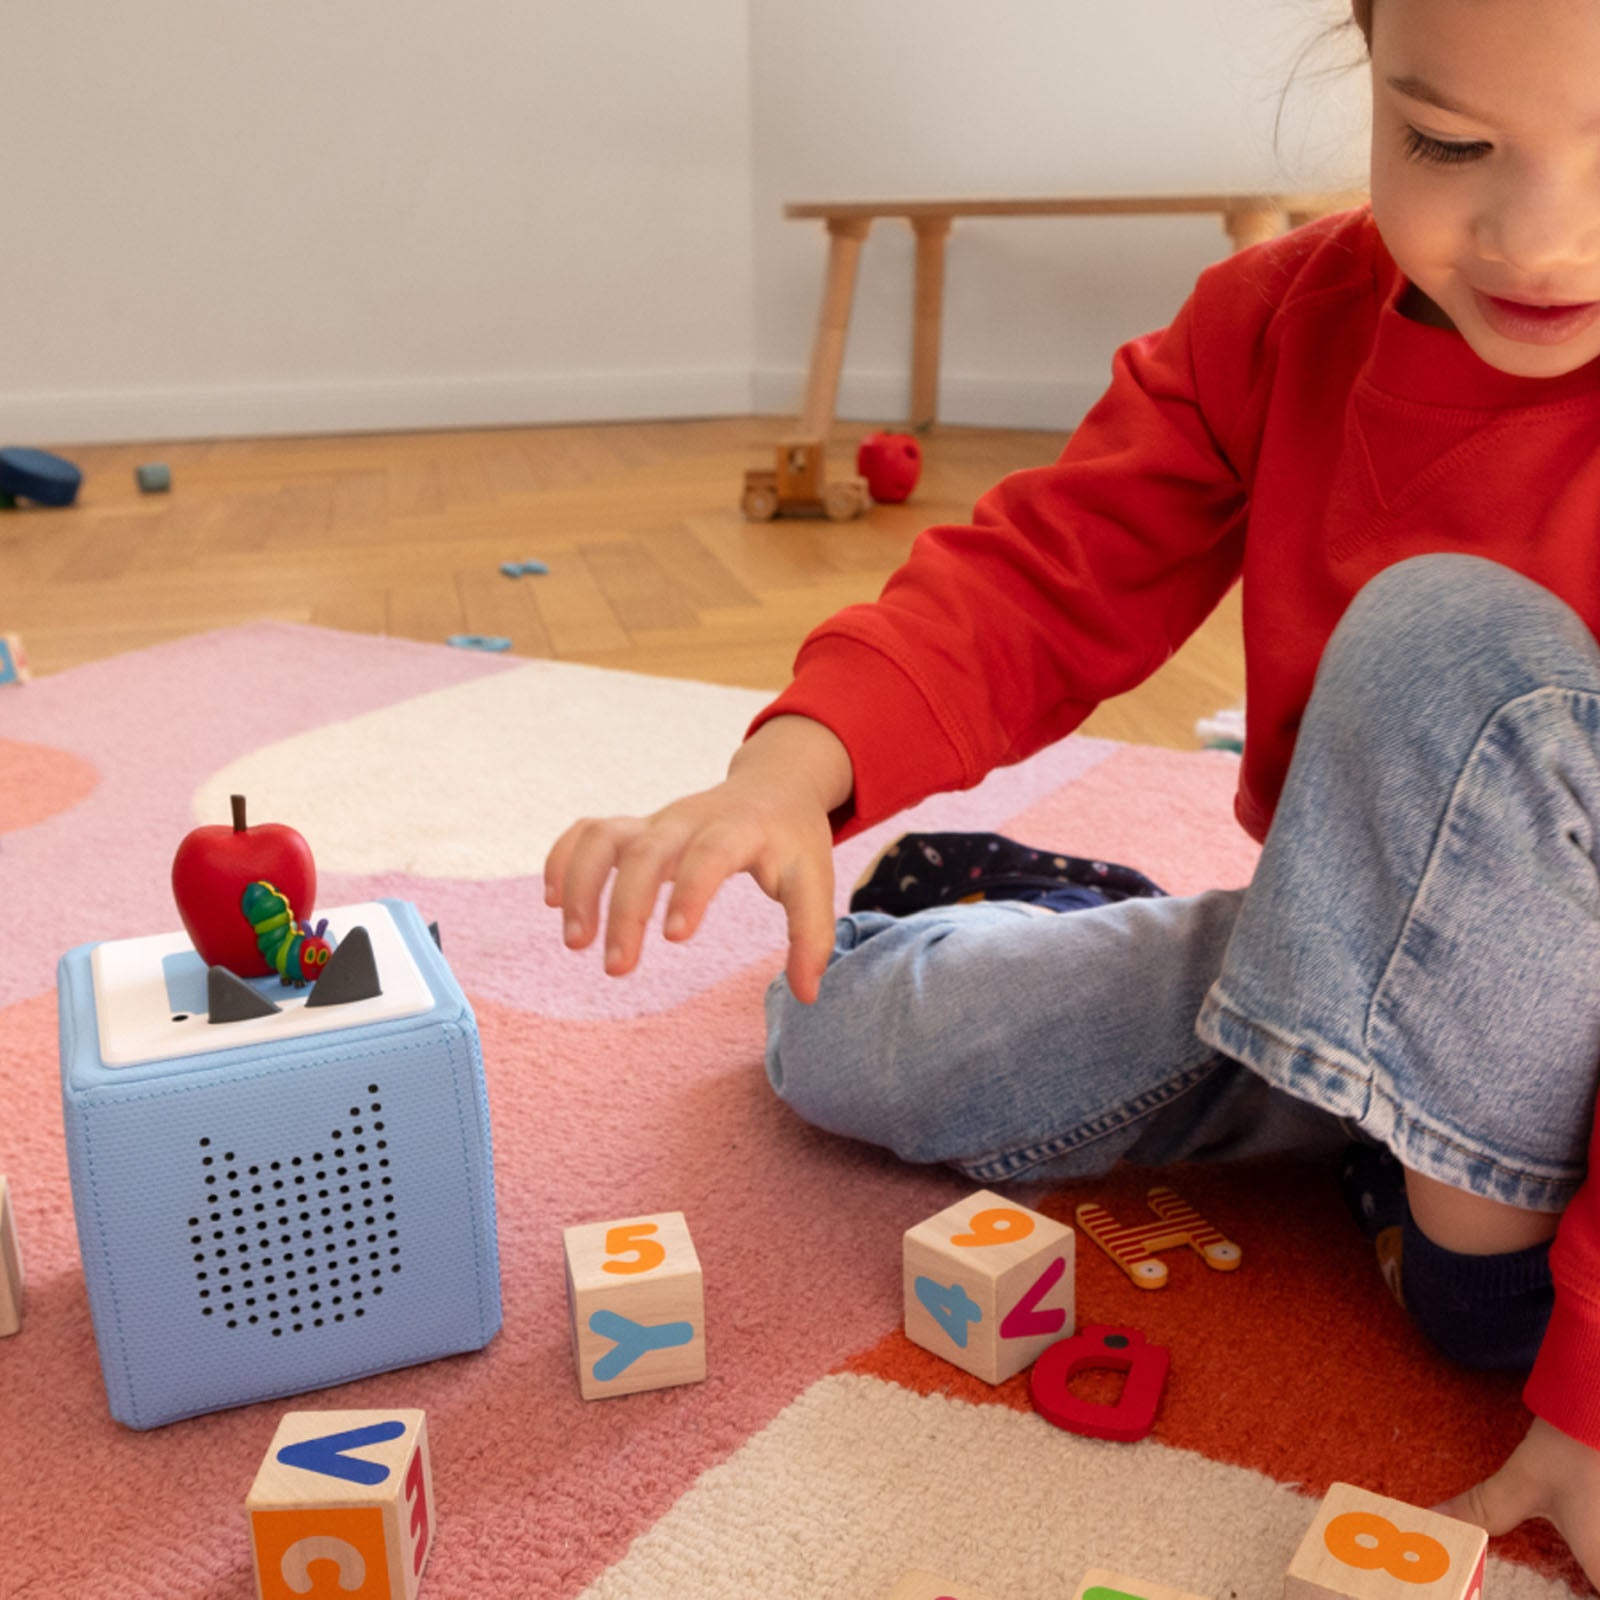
x: 1291, y: 428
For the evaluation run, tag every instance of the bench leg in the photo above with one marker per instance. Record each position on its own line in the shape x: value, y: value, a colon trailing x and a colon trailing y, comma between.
x: 845, y: 237
x: 927, y: 316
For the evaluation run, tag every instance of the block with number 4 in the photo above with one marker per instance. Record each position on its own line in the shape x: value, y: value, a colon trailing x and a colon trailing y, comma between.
x: 924, y: 1586
x: 343, y: 1503
x: 1098, y: 1584
x: 1363, y: 1546
x: 637, y: 1299
x: 989, y: 1285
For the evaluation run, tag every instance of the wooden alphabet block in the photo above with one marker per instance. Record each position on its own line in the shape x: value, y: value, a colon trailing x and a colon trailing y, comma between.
x: 1099, y: 1584
x: 921, y: 1585
x: 637, y: 1299
x: 989, y: 1284
x: 10, y: 1266
x: 344, y: 1500
x: 1363, y: 1546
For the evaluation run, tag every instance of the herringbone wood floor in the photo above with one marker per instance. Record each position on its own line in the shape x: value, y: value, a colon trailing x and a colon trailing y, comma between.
x: 652, y: 567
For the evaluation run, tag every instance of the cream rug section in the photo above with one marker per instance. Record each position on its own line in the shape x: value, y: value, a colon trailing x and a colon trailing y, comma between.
x: 476, y: 781
x: 859, y: 1480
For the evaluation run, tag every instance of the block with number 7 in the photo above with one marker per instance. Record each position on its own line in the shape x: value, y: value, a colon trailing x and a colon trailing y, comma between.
x: 989, y: 1285
x: 637, y: 1299
x: 1363, y: 1546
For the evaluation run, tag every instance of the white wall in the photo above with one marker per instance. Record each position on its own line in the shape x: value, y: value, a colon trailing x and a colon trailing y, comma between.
x: 242, y: 216
x: 1024, y: 97
x: 236, y: 216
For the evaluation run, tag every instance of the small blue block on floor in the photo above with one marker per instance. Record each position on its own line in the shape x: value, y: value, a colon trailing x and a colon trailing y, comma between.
x: 478, y: 641
x: 39, y: 476
x: 154, y: 477
x: 519, y: 569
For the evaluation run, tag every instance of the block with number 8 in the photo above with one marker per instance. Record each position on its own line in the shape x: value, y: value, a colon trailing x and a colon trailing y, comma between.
x: 1363, y: 1546
x: 637, y: 1300
x: 989, y: 1285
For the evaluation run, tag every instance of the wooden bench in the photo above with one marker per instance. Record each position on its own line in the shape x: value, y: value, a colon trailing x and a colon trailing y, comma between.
x: 1248, y: 218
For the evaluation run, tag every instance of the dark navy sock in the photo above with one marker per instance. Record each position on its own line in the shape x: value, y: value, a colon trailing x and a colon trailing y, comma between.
x: 1488, y: 1312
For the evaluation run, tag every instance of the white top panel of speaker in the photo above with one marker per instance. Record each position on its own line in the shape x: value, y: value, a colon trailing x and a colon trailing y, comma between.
x: 136, y: 982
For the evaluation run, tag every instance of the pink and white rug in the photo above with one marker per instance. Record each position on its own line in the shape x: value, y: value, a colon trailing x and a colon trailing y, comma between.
x: 824, y: 1455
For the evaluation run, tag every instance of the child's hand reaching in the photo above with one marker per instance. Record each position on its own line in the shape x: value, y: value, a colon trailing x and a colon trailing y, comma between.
x: 769, y: 818
x: 1550, y: 1475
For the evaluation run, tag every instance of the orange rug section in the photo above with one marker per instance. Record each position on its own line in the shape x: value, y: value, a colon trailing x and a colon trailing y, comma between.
x: 1298, y: 1365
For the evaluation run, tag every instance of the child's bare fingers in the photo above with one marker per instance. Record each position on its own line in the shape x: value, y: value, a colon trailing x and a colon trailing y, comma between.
x: 808, y: 904
x: 591, y: 858
x: 710, y: 859
x: 643, y: 865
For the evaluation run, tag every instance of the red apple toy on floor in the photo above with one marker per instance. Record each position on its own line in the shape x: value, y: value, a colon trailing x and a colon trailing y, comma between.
x: 891, y: 463
x: 213, y: 870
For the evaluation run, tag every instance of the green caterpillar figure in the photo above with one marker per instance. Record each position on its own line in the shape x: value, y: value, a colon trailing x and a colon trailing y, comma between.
x: 295, y: 953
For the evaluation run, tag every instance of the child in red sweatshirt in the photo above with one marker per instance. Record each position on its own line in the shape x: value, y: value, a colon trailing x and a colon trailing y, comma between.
x: 1387, y: 425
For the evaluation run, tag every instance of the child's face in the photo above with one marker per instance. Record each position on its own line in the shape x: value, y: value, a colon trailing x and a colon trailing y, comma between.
x: 1498, y: 199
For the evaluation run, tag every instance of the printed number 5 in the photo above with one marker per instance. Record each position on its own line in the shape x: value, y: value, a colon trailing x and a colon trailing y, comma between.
x: 1410, y: 1557
x: 647, y: 1252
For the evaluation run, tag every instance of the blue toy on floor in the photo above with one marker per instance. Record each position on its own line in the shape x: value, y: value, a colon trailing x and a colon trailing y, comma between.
x: 286, y: 1201
x: 37, y: 475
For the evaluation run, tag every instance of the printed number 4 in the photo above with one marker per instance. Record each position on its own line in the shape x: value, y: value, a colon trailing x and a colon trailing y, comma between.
x: 951, y: 1307
x: 634, y: 1239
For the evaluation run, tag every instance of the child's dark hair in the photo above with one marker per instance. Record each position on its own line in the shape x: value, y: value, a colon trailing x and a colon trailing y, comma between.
x: 1361, y: 15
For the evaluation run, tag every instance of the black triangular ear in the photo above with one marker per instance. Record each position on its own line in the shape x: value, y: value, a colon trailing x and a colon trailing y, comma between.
x: 230, y: 999
x: 351, y: 973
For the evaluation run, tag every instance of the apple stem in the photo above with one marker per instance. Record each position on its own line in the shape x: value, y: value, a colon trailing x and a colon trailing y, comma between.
x: 237, y: 801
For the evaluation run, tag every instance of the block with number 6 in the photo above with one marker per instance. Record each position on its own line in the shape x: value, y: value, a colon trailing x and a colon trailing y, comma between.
x: 989, y: 1285
x: 637, y: 1300
x: 1363, y: 1546
x: 343, y: 1503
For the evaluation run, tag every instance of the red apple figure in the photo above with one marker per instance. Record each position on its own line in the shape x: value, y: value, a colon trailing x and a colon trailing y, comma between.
x: 891, y: 463
x: 214, y: 866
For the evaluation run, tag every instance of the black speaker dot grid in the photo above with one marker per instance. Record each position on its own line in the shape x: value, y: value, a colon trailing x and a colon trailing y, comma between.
x: 300, y: 1242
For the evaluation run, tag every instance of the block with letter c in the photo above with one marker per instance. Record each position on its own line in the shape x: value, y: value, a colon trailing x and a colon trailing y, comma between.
x: 342, y: 1508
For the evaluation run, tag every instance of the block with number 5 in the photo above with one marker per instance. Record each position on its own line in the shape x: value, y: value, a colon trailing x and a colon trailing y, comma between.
x: 1363, y: 1546
x: 637, y: 1300
x: 989, y: 1285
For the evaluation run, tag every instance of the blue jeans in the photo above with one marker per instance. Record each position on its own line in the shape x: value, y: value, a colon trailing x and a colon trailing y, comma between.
x: 1416, y: 961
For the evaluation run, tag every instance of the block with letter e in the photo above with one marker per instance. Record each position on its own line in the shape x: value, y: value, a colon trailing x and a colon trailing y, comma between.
x: 1364, y: 1546
x: 343, y: 1504
x: 637, y: 1298
x: 989, y: 1285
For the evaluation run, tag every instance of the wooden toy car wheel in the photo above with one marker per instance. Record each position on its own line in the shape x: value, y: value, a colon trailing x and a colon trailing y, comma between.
x: 760, y: 503
x: 842, y: 501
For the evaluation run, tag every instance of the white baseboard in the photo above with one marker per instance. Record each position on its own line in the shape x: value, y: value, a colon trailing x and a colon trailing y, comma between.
x: 262, y: 410
x: 258, y: 410
x: 884, y: 398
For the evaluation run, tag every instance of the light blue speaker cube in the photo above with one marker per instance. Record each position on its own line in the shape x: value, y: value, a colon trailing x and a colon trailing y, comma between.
x: 281, y: 1203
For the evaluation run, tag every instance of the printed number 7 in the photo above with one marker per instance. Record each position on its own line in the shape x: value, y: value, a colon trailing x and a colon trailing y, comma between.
x: 634, y: 1237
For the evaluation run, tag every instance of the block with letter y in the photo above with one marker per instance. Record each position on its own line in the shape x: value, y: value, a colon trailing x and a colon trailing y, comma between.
x: 637, y: 1298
